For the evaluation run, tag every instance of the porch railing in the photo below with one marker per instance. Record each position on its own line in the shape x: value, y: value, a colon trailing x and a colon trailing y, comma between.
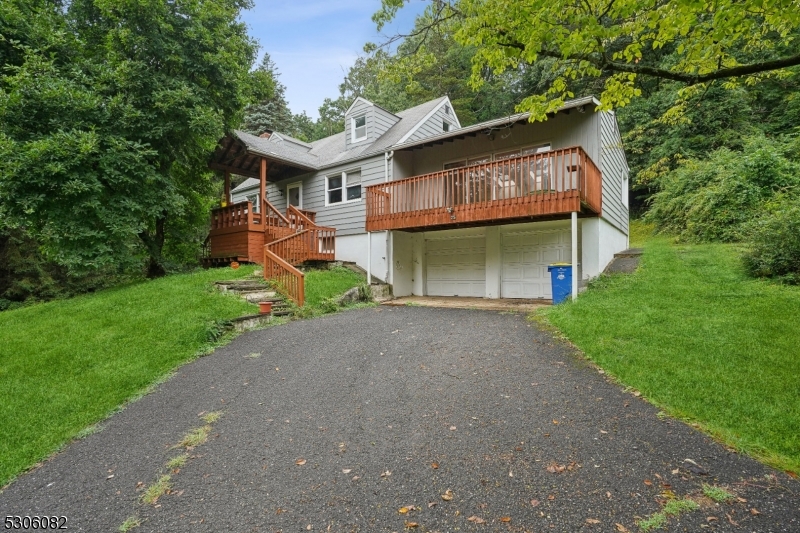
x: 553, y: 182
x: 234, y: 215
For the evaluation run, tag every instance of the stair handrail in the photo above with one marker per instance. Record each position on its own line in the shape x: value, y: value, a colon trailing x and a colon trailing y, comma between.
x: 289, y: 279
x: 271, y: 209
x: 292, y: 210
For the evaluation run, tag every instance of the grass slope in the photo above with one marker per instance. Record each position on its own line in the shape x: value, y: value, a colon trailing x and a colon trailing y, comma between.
x: 65, y: 365
x: 323, y: 284
x: 703, y: 341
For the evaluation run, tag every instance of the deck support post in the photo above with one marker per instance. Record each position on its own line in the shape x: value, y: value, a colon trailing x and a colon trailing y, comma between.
x: 228, y: 187
x: 369, y: 258
x: 574, y: 255
x: 262, y: 186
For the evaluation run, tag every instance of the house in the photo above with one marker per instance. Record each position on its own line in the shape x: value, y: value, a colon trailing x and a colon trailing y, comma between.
x: 431, y: 207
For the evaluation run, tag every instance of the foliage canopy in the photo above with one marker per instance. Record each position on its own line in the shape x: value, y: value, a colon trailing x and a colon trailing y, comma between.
x: 617, y: 41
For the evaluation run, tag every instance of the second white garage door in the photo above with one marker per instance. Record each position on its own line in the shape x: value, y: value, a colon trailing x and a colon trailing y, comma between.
x: 456, y: 266
x: 525, y: 260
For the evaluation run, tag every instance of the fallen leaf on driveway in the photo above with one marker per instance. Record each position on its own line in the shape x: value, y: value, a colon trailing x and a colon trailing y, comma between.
x: 448, y: 495
x: 403, y: 510
x: 592, y: 521
x: 387, y: 473
x: 505, y: 519
x: 431, y: 504
x: 754, y: 511
x: 711, y: 519
x: 604, y: 432
x: 476, y: 519
x: 452, y: 428
x: 411, y: 524
x: 648, y: 482
x: 621, y: 528
x: 551, y: 497
x: 535, y: 503
x: 346, y: 470
x: 300, y: 462
x: 434, y: 465
x: 555, y: 468
x: 555, y: 421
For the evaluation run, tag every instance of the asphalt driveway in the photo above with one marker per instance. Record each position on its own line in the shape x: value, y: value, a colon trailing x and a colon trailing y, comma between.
x: 398, y: 418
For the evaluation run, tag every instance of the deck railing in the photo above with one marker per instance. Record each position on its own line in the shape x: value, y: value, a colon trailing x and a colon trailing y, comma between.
x: 289, y: 280
x: 548, y: 183
x: 234, y: 215
x: 312, y: 244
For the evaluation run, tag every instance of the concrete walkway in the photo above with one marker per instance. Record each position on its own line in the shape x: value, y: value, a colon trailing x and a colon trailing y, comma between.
x: 393, y: 418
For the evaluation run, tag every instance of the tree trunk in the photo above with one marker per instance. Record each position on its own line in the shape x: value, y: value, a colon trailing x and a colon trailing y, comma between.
x: 155, y: 244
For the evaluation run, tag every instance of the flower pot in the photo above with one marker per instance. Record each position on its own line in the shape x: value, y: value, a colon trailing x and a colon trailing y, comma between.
x: 234, y: 265
x: 265, y: 308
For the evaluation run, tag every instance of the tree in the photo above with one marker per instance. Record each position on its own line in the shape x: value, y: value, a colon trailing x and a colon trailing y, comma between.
x: 270, y: 113
x: 106, y: 123
x: 619, y: 41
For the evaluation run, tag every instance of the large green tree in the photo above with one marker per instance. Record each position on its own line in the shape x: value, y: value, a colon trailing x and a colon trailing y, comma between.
x: 695, y: 43
x: 107, y: 115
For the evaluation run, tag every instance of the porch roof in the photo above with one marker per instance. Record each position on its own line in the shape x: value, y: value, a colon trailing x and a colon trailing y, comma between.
x: 240, y: 153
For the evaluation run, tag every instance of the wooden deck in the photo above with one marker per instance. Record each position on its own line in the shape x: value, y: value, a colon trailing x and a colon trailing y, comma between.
x: 543, y: 185
x: 236, y: 231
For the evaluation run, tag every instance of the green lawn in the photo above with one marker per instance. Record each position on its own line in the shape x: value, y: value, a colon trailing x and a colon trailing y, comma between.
x: 65, y: 365
x: 701, y: 340
x: 323, y: 284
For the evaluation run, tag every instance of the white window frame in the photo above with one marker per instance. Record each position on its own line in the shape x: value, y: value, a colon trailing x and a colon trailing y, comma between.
x: 295, y: 185
x: 446, y: 126
x: 354, y: 129
x: 256, y: 203
x: 343, y: 175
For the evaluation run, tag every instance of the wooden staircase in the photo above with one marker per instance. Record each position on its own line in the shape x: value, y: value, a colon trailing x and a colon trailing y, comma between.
x: 280, y: 242
x: 291, y: 240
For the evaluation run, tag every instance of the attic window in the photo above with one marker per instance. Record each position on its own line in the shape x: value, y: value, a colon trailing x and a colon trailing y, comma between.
x: 446, y: 109
x: 359, y: 128
x: 445, y: 126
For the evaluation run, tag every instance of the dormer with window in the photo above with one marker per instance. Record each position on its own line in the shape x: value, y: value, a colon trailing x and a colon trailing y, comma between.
x: 365, y: 122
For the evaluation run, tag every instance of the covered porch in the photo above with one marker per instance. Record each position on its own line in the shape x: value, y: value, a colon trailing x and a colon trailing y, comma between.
x: 254, y: 231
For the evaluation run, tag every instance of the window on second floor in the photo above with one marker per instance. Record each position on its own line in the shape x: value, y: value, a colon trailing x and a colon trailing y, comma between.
x: 359, y: 128
x: 445, y: 126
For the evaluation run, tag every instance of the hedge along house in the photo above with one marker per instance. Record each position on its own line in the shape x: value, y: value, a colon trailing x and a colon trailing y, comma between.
x: 436, y: 209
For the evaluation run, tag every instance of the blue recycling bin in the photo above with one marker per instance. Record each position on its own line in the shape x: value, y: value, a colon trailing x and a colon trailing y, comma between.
x: 561, y: 281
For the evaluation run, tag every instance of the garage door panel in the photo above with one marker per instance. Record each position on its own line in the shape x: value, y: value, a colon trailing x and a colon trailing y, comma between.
x: 456, y: 267
x: 525, y: 260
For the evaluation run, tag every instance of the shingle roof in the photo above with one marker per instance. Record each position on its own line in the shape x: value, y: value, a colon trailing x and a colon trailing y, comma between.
x: 331, y: 150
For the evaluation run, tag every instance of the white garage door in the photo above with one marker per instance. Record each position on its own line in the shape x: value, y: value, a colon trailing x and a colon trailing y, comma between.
x: 456, y: 266
x: 525, y: 260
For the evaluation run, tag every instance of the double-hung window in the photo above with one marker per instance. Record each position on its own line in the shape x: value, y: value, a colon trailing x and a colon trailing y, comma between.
x: 359, y: 128
x: 344, y: 187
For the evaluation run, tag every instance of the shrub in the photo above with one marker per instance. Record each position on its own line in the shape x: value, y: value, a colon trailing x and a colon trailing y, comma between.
x: 774, y: 247
x: 713, y: 199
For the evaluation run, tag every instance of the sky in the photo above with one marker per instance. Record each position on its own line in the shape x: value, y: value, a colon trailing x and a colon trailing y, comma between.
x: 315, y: 42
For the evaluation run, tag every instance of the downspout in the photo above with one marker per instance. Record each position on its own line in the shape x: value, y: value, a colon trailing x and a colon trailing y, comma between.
x: 387, y: 157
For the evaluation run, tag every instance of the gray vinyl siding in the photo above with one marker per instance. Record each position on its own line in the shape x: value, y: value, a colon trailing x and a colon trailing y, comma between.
x: 382, y: 119
x: 615, y: 173
x: 348, y: 218
x: 561, y: 131
x: 432, y: 126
